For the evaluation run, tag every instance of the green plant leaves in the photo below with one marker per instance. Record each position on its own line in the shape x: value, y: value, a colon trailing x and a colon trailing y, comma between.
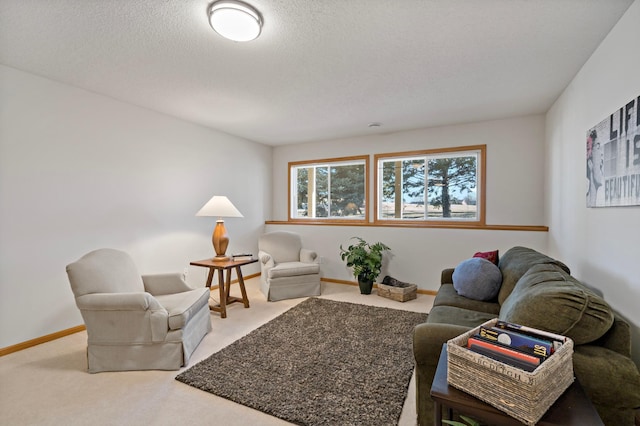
x: 364, y: 258
x: 454, y: 423
x: 469, y: 420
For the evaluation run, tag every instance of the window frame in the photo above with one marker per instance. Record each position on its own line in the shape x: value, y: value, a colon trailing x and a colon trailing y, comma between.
x: 479, y: 150
x: 329, y: 161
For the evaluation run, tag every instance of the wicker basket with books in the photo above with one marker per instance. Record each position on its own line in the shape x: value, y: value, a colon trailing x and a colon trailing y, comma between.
x: 513, y: 383
x: 400, y: 294
x: 394, y: 289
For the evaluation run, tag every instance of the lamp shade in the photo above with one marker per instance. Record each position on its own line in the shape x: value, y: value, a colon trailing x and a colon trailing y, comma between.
x: 219, y: 206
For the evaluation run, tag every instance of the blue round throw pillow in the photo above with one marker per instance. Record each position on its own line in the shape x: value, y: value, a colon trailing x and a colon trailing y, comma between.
x: 477, y: 279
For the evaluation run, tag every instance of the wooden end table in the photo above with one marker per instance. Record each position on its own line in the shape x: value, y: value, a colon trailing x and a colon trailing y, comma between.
x: 572, y: 408
x: 224, y: 284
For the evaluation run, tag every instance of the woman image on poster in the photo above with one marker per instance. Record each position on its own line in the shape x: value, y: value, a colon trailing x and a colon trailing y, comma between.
x: 595, y: 165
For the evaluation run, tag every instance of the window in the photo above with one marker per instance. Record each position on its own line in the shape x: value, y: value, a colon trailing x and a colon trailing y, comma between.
x: 431, y: 186
x: 333, y: 189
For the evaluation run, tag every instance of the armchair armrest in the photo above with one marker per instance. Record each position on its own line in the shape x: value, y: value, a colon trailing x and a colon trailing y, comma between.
x: 308, y: 256
x: 118, y: 302
x: 159, y: 284
x: 110, y: 317
x: 266, y: 259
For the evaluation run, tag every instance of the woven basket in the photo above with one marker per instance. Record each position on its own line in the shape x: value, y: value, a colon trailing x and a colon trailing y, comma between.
x: 401, y: 294
x: 525, y: 396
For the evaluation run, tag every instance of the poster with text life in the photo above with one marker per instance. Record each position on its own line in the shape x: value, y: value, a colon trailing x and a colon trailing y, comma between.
x: 613, y: 158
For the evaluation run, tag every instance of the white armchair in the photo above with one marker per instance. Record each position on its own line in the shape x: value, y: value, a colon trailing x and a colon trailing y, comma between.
x: 149, y: 322
x: 287, y: 270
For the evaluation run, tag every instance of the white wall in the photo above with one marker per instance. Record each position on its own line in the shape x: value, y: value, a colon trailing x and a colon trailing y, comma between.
x: 601, y: 245
x: 515, y: 196
x: 80, y: 171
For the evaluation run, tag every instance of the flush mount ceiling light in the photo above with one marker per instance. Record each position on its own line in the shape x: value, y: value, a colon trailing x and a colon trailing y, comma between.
x: 235, y: 20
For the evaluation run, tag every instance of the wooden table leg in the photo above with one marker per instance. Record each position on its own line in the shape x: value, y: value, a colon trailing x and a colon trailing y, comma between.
x: 210, y: 278
x: 224, y: 282
x: 227, y: 284
x: 437, y: 414
x: 223, y: 294
x: 245, y: 299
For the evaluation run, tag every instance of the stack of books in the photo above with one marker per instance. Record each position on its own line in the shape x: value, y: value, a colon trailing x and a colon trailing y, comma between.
x: 524, y: 395
x: 242, y: 256
x: 515, y: 345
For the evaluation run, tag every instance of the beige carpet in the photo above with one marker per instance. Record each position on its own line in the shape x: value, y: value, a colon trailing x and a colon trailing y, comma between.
x: 48, y: 384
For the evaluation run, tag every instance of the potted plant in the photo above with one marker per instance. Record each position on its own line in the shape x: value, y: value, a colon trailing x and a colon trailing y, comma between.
x: 366, y: 261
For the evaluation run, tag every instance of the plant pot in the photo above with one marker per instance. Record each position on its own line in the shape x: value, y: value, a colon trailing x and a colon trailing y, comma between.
x: 365, y: 286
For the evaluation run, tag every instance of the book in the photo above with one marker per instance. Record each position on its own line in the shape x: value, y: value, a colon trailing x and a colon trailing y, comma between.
x: 242, y: 256
x: 502, y: 345
x: 556, y: 339
x: 510, y: 354
x: 523, y: 342
x: 502, y: 358
x: 519, y: 350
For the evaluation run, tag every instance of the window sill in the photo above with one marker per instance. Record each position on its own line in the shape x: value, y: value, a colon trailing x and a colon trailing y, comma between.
x: 530, y: 228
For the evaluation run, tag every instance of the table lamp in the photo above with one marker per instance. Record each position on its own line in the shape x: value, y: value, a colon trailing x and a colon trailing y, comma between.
x: 219, y: 206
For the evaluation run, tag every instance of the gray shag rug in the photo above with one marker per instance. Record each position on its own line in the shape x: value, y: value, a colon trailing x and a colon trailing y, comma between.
x: 320, y: 363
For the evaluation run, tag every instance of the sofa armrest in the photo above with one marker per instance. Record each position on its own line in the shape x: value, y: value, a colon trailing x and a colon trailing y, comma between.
x: 160, y: 284
x: 618, y: 338
x: 428, y: 339
x: 446, y: 277
x: 608, y: 378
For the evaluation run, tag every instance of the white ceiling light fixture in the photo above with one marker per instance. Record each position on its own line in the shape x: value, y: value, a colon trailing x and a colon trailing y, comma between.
x: 235, y: 20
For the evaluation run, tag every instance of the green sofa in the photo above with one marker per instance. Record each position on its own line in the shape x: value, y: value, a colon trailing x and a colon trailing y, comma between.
x: 538, y: 291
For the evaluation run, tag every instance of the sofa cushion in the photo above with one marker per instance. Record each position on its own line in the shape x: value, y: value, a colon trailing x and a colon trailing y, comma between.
x: 516, y: 262
x: 448, y: 296
x: 548, y: 298
x: 458, y: 316
x: 491, y: 256
x: 477, y: 279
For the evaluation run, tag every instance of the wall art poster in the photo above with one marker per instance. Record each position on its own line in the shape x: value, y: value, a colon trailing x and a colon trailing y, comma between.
x: 613, y: 159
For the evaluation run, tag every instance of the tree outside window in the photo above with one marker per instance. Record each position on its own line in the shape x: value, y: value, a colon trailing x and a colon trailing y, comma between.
x: 431, y: 185
x: 334, y: 189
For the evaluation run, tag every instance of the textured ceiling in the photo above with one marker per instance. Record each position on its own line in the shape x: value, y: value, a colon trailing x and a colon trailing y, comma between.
x: 321, y: 69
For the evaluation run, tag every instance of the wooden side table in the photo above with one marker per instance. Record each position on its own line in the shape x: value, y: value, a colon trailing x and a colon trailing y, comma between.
x: 224, y: 284
x: 572, y: 408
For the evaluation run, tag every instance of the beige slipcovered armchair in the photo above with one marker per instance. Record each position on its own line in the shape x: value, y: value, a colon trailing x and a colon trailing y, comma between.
x: 149, y: 322
x: 287, y: 270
